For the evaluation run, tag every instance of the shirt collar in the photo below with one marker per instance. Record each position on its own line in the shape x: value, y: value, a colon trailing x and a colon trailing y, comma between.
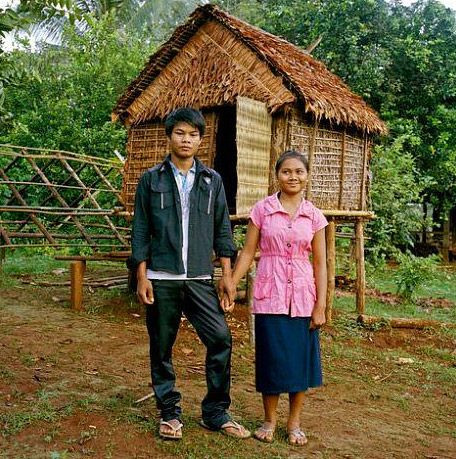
x: 176, y: 171
x: 273, y: 205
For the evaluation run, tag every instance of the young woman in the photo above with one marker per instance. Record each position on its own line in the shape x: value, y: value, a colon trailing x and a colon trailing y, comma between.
x: 289, y: 294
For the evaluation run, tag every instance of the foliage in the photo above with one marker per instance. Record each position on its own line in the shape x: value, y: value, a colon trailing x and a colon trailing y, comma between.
x: 414, y: 272
x: 402, y: 60
x: 396, y: 187
x: 66, y: 100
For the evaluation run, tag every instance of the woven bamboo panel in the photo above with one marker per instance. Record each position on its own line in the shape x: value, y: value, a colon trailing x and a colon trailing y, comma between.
x: 148, y: 145
x: 212, y: 69
x: 253, y: 137
x: 336, y: 156
x: 353, y: 165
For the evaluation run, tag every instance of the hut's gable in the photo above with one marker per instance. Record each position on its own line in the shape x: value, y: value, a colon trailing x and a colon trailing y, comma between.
x: 323, y: 94
x: 212, y: 69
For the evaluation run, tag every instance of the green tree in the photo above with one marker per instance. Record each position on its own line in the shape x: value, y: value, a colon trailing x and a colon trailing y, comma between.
x: 67, y: 103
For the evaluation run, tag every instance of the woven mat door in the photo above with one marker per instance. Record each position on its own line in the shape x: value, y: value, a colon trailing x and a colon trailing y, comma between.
x: 253, y: 138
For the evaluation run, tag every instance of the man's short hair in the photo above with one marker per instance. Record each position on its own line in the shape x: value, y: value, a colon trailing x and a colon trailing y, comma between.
x: 185, y: 115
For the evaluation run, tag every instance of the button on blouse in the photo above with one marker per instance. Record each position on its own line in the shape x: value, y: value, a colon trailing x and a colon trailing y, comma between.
x: 285, y: 281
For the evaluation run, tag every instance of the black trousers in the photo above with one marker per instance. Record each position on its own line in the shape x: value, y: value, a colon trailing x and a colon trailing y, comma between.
x: 198, y: 301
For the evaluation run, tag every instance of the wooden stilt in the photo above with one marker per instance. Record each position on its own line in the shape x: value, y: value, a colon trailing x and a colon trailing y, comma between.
x: 250, y: 281
x: 331, y: 267
x: 360, y: 268
x: 77, y: 279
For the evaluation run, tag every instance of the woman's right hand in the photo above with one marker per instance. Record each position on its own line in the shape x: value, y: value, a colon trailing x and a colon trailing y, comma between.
x: 145, y: 292
x: 226, y: 304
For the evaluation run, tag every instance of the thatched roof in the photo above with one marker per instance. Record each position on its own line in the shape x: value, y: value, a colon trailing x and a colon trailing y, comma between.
x: 322, y: 93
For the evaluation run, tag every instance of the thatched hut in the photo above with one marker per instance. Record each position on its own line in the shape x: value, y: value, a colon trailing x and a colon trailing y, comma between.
x: 260, y: 95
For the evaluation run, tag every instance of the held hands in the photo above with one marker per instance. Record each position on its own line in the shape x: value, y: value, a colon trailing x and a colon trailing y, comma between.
x: 227, y: 292
x: 145, y: 292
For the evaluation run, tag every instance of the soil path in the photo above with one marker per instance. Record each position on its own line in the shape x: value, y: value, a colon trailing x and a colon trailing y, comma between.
x: 69, y: 381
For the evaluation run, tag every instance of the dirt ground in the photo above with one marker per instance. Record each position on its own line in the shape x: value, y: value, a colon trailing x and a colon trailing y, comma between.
x: 69, y: 382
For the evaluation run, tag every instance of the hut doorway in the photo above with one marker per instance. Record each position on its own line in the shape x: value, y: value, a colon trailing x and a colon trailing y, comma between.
x: 225, y: 161
x: 242, y: 155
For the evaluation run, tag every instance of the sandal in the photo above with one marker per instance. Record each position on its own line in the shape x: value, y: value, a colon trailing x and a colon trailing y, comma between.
x: 296, y: 437
x: 265, y: 434
x: 239, y: 431
x: 176, y: 430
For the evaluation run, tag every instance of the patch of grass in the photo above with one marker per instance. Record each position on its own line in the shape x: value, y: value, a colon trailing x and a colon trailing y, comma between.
x: 31, y: 262
x: 28, y: 359
x: 15, y: 422
x: 447, y: 355
x: 6, y: 374
x: 88, y: 403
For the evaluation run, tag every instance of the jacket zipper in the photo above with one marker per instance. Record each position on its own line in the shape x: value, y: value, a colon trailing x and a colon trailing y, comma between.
x: 161, y: 200
x: 209, y: 203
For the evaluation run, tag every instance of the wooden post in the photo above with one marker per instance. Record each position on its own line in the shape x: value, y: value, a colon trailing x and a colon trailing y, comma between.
x: 360, y: 268
x: 77, y: 279
x: 249, y: 293
x: 331, y: 267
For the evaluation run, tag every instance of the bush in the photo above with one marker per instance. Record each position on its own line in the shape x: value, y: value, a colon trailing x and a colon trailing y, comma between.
x: 413, y: 272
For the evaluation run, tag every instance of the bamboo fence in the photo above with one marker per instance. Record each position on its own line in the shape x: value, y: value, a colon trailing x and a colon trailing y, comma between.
x: 60, y: 199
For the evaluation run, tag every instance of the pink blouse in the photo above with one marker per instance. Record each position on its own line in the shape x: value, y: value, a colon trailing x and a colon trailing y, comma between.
x: 285, y: 281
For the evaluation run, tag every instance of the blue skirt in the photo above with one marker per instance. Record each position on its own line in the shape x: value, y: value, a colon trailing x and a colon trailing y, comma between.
x: 287, y: 354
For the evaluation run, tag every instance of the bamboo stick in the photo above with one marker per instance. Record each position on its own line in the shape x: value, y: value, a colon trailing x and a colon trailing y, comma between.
x: 15, y: 234
x: 331, y: 267
x: 57, y: 210
x: 56, y: 185
x: 62, y: 245
x: 360, y: 268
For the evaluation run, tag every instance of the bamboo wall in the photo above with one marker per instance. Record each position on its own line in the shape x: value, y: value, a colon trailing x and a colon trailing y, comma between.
x: 338, y: 162
x: 148, y: 145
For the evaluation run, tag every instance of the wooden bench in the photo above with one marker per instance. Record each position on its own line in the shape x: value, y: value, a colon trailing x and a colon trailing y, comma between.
x: 78, y: 265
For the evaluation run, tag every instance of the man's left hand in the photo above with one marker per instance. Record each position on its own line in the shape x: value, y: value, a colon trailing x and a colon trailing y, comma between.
x: 226, y: 285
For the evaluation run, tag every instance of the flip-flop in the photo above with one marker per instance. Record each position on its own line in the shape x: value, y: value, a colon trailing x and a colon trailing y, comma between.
x: 242, y: 434
x: 297, y: 434
x: 269, y: 434
x: 176, y: 433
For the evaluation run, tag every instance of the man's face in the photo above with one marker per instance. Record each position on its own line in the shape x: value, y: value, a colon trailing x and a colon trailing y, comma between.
x: 184, y: 140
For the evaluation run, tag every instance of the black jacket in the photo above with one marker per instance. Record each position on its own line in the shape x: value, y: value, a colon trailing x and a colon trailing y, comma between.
x: 157, y: 226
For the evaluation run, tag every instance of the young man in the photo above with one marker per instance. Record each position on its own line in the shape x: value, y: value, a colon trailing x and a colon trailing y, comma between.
x: 181, y: 217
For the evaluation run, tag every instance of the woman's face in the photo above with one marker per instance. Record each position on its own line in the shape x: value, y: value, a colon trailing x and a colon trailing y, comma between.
x: 292, y: 176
